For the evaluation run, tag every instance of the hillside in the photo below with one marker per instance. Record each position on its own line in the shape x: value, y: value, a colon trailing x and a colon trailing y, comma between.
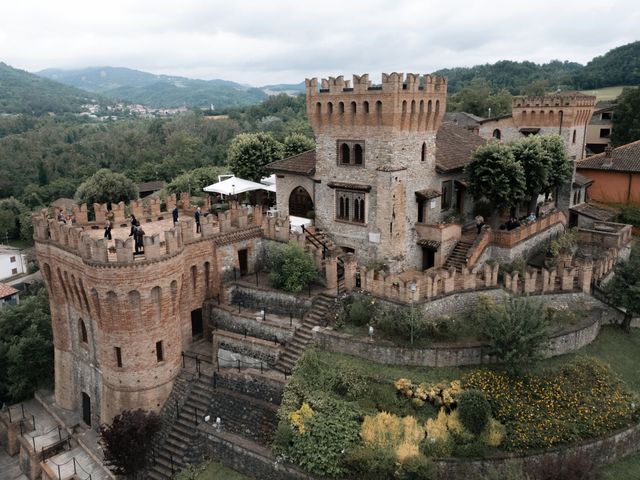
x: 620, y: 66
x: 24, y: 92
x: 157, y: 90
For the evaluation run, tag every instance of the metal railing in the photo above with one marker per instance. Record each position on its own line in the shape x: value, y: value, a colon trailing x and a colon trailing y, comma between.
x: 75, y: 466
x: 316, y: 242
x: 241, y: 364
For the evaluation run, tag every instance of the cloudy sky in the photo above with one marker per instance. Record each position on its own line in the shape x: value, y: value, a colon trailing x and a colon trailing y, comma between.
x: 281, y: 41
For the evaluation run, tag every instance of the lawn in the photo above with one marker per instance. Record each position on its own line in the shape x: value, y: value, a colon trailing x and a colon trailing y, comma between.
x: 214, y: 471
x: 605, y: 94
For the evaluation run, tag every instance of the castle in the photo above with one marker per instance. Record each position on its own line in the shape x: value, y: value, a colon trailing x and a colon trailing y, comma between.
x: 385, y: 174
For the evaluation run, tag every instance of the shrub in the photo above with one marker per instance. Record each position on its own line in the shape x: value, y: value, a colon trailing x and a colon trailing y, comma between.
x: 360, y: 311
x: 291, y: 268
x: 474, y: 410
x: 400, y: 435
x: 630, y: 214
x: 417, y: 467
x: 283, y: 437
x: 365, y: 462
x: 516, y: 330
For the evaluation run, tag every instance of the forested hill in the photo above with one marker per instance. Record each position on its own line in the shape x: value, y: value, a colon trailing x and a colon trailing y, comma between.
x: 24, y: 92
x: 620, y: 66
x: 157, y: 90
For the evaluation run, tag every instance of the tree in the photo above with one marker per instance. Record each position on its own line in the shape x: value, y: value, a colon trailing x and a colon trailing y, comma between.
x: 474, y: 410
x: 537, y: 88
x: 296, y: 143
x: 516, y: 330
x: 250, y: 152
x: 626, y: 118
x: 11, y: 211
x: 624, y: 288
x: 127, y: 440
x: 291, y: 268
x: 106, y: 186
x: 494, y: 174
x: 196, y: 180
x: 560, y: 168
x: 26, y: 347
x: 536, y: 164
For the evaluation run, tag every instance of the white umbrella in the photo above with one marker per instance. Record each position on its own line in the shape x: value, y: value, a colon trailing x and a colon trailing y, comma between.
x: 234, y: 186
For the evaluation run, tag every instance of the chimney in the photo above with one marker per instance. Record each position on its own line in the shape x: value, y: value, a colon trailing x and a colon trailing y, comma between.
x: 607, y: 151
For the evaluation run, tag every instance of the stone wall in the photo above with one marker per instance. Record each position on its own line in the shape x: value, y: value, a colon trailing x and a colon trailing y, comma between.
x: 468, y: 353
x: 225, y: 318
x: 258, y: 386
x: 271, y: 300
x: 600, y: 451
x: 232, y: 346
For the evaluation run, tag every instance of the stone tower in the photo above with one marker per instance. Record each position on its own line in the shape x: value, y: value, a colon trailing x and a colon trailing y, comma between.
x: 375, y: 147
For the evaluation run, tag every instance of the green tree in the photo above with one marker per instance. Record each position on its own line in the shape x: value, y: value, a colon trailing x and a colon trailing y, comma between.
x: 536, y: 164
x: 106, y: 186
x: 11, y: 211
x: 500, y: 103
x: 250, y: 152
x: 560, y: 168
x: 516, y: 330
x: 195, y: 180
x: 26, y: 347
x: 474, y: 410
x: 537, y: 88
x: 624, y: 288
x: 494, y: 174
x: 291, y: 268
x: 626, y: 118
x: 127, y: 440
x: 296, y: 143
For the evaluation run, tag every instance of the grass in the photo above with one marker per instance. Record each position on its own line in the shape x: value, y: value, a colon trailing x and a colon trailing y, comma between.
x: 213, y: 471
x: 626, y: 469
x: 605, y: 94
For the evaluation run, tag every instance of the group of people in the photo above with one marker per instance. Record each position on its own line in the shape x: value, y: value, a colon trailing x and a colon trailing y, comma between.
x: 64, y: 219
x: 138, y: 235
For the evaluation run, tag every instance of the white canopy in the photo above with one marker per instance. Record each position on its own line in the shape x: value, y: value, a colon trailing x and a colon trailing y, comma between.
x: 270, y: 180
x: 234, y: 186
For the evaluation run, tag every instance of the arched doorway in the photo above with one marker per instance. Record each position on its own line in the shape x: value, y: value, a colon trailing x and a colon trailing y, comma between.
x: 300, y: 203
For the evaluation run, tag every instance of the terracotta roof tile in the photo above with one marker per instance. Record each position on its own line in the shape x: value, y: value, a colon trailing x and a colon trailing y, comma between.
x: 625, y: 158
x: 454, y: 146
x: 302, y: 164
x: 6, y: 290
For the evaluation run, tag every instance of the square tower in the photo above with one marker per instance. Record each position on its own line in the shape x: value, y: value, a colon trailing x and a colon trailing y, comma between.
x: 375, y: 147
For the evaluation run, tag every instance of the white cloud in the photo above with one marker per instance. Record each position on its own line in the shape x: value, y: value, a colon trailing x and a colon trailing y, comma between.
x: 257, y: 41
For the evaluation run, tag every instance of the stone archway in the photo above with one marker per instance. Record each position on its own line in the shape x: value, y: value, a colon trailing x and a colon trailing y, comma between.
x: 300, y: 202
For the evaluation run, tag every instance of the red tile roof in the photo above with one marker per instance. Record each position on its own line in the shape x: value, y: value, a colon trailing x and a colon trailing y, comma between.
x: 622, y: 159
x: 454, y: 147
x: 302, y: 164
x: 6, y: 290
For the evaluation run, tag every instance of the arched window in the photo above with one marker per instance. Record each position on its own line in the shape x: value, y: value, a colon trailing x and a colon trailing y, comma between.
x: 341, y: 108
x: 365, y: 106
x: 341, y: 208
x: 330, y: 108
x: 357, y: 154
x: 437, y: 106
x: 356, y: 210
x: 497, y: 134
x: 353, y: 107
x: 573, y: 140
x: 404, y: 106
x: 345, y: 154
x: 318, y: 108
x: 413, y: 106
x: 346, y: 208
x: 156, y: 301
x: 84, y: 338
x: 361, y: 217
x: 134, y: 305
x: 429, y: 106
x: 421, y: 107
x: 423, y: 154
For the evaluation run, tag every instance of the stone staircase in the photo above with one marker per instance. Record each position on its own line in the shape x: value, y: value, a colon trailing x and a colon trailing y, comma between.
x: 302, y: 337
x: 190, y: 403
x: 458, y: 256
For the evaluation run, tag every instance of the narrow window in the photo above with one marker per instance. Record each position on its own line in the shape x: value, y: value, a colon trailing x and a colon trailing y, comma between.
x: 353, y: 107
x: 345, y: 156
x: 357, y: 154
x: 159, y: 352
x: 84, y: 338
x: 361, y: 210
x: 446, y: 194
x: 497, y: 134
x: 341, y: 209
x: 420, y: 211
x: 423, y: 154
x: 330, y: 108
x: 318, y: 108
x: 573, y: 140
x: 341, y: 108
x: 118, y: 356
x: 346, y: 208
x: 365, y: 105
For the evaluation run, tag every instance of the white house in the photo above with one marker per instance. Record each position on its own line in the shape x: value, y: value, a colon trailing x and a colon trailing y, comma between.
x: 12, y: 262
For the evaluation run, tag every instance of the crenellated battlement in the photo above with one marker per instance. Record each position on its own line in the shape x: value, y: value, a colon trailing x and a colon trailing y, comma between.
x: 410, y: 102
x: 163, y: 240
x: 569, y: 109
